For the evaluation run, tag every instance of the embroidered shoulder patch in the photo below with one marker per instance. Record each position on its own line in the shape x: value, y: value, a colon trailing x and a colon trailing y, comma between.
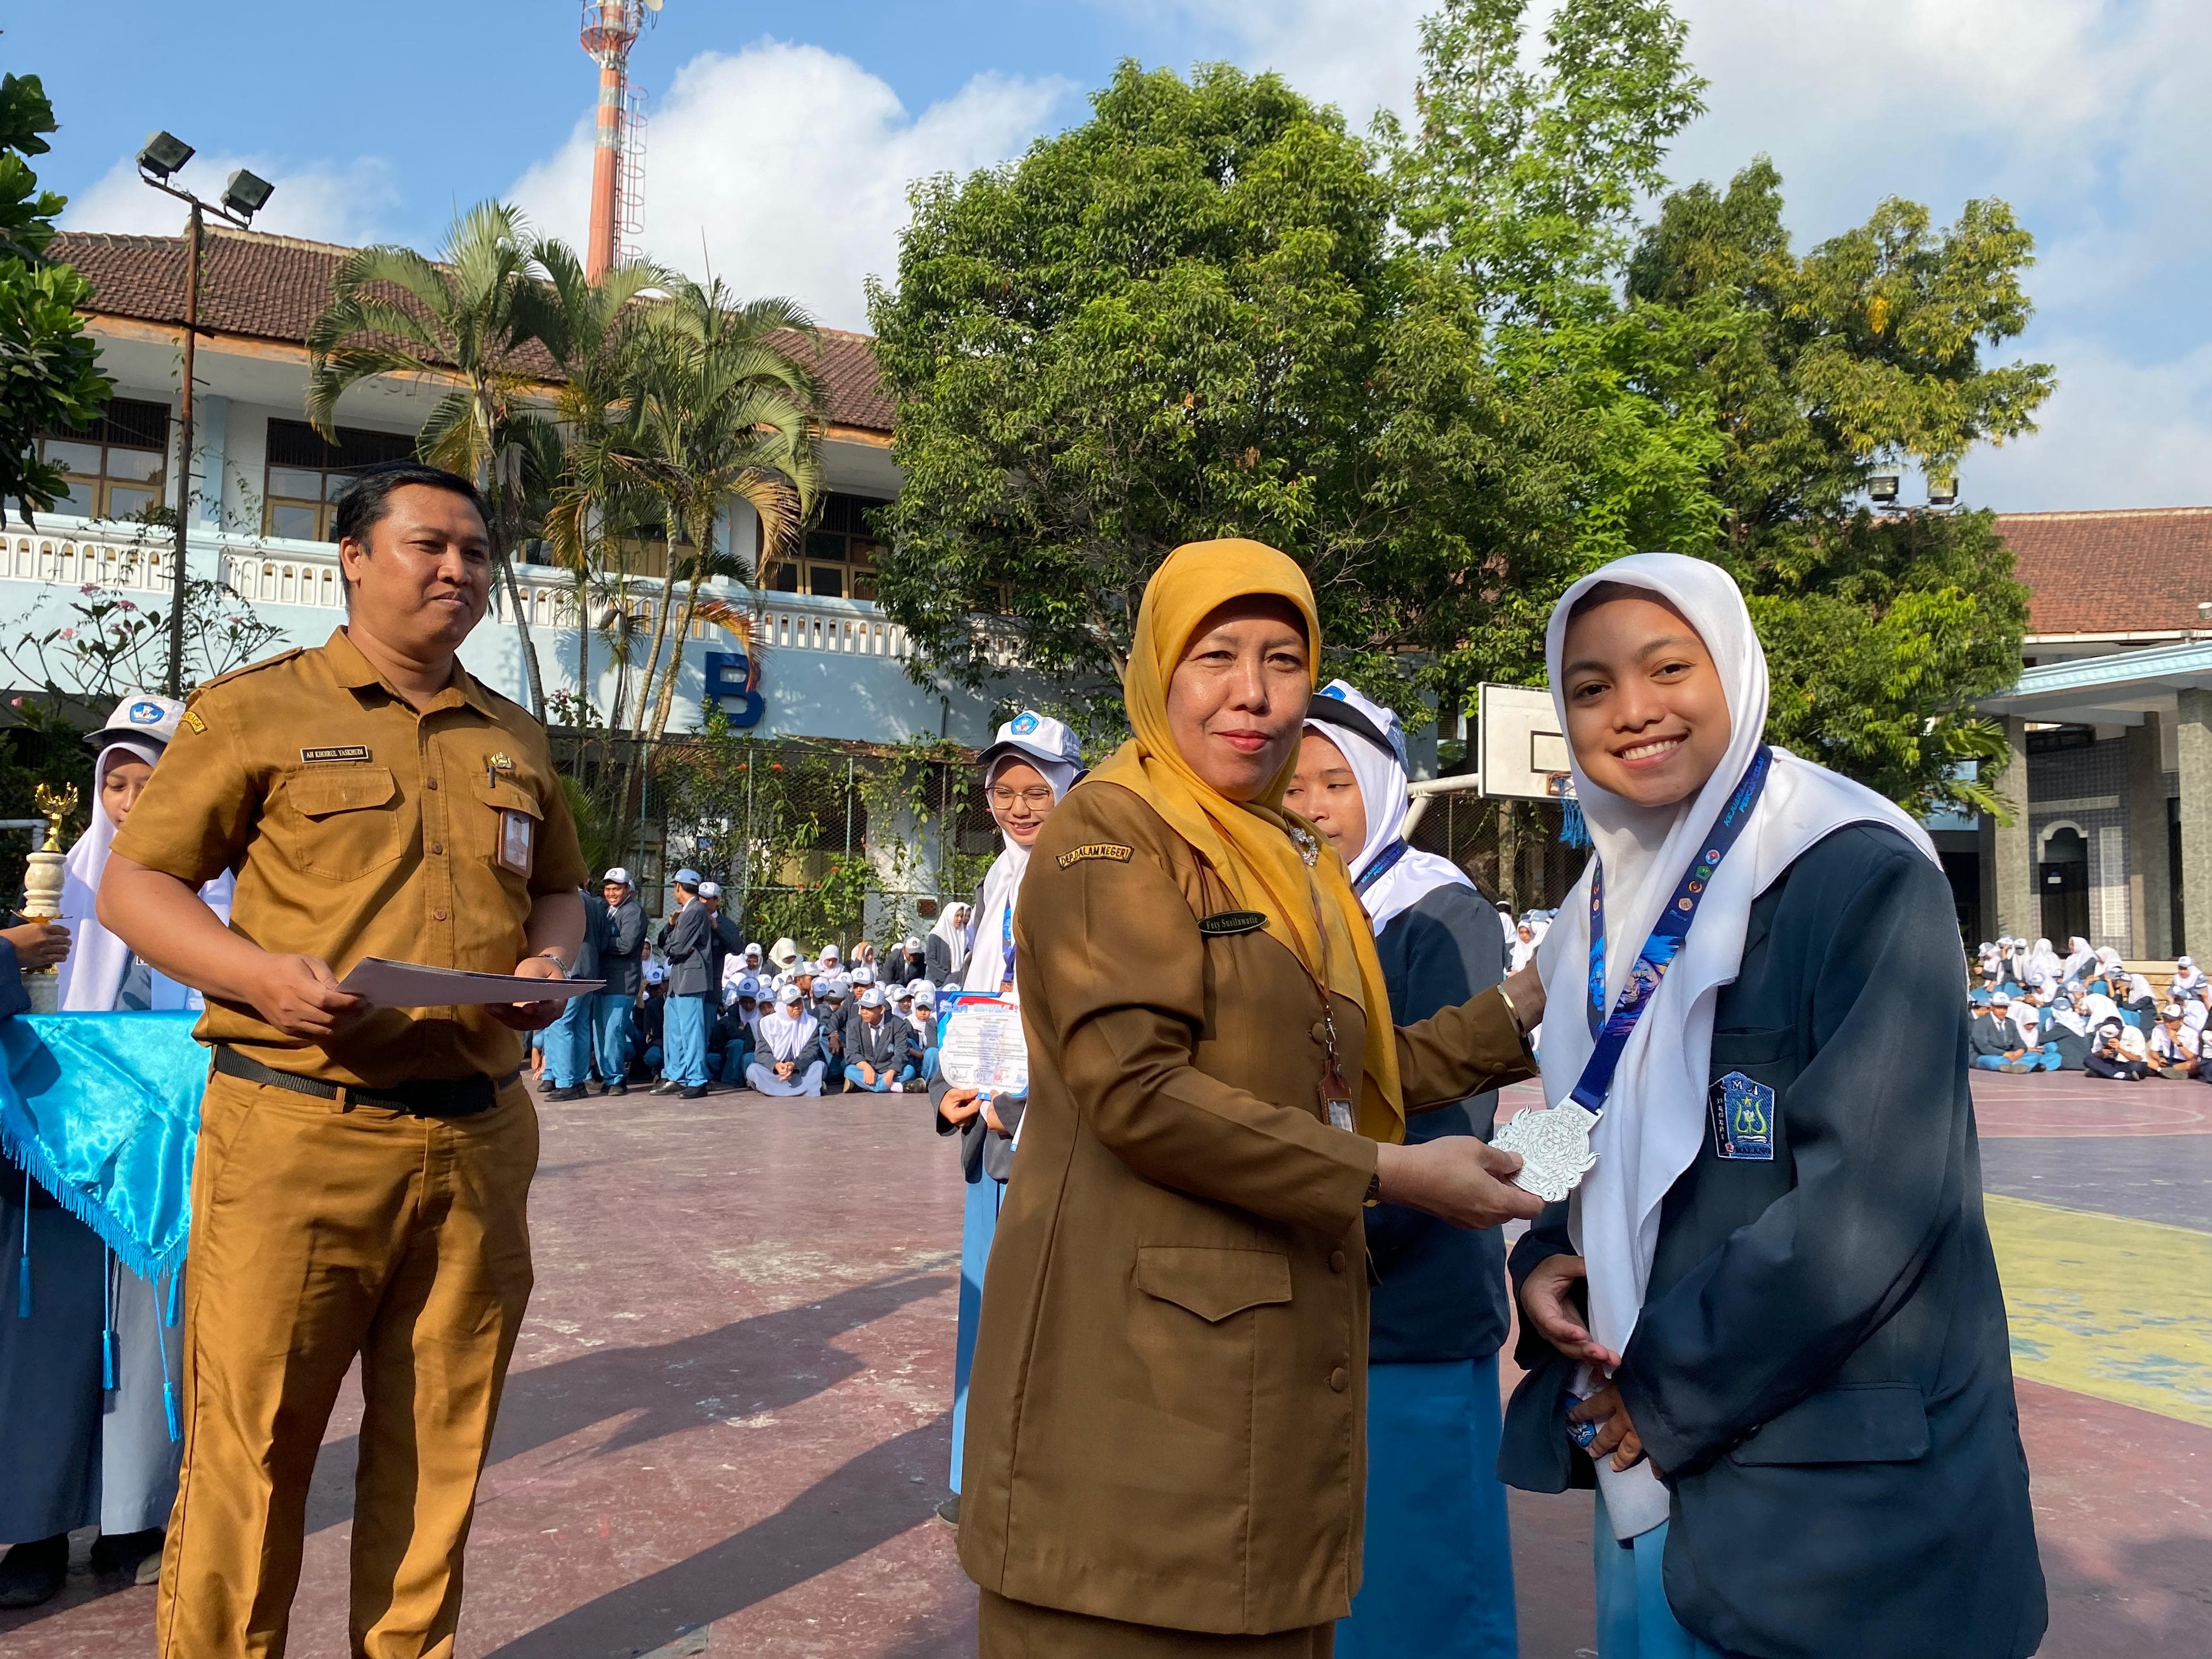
x: 192, y: 719
x: 1223, y: 922
x: 352, y: 752
x: 1096, y: 849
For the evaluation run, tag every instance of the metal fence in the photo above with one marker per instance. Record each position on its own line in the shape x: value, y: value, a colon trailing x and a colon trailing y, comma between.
x: 1511, y: 848
x: 822, y: 842
x: 829, y: 843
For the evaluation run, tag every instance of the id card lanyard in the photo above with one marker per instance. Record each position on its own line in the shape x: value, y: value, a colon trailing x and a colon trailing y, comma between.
x: 1660, y: 951
x: 1335, y: 1097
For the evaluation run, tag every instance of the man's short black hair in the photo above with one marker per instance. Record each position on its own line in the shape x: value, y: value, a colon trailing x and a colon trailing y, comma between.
x: 368, y: 499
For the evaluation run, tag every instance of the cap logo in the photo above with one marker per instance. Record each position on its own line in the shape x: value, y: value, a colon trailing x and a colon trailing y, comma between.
x: 146, y: 713
x: 1024, y: 724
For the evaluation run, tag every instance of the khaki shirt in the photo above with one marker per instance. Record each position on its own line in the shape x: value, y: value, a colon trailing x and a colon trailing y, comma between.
x: 1167, y: 1416
x: 359, y: 828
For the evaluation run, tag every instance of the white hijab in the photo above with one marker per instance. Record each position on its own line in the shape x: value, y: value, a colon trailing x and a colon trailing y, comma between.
x: 785, y: 1034
x: 2043, y: 962
x: 1381, y: 773
x: 2081, y: 957
x: 985, y: 947
x: 1655, y: 1114
x: 956, y: 940
x: 91, y: 976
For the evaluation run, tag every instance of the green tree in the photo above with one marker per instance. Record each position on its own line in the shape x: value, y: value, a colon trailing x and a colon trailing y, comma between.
x: 1537, y: 426
x: 50, y: 379
x: 481, y: 315
x: 1864, y: 354
x: 1157, y: 327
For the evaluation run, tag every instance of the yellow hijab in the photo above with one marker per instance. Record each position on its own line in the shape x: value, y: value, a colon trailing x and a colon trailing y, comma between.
x: 1249, y: 844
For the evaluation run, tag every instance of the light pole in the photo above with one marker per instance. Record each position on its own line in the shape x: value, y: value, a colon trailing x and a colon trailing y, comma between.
x: 243, y: 197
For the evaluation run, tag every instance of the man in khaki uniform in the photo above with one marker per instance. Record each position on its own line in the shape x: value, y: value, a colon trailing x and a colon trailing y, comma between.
x: 362, y: 1171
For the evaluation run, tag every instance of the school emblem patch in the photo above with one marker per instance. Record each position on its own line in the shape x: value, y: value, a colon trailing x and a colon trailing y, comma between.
x: 1743, y: 1119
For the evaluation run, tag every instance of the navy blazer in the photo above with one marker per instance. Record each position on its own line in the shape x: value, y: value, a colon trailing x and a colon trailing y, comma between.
x: 1442, y: 1294
x: 1821, y: 1367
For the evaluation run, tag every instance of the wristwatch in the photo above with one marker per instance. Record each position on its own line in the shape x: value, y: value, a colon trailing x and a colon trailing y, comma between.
x: 554, y: 957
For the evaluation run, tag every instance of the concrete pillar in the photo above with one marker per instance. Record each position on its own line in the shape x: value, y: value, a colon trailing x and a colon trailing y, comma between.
x: 2019, y: 909
x: 2193, y: 732
x: 2150, y: 884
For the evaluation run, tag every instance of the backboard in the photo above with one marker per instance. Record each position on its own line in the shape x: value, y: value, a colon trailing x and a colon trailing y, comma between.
x: 1520, y: 751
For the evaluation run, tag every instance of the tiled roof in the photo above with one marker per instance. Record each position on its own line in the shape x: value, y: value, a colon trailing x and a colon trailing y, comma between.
x: 2133, y: 571
x: 272, y: 288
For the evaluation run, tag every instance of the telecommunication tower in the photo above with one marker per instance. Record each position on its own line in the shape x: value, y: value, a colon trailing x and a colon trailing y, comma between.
x: 611, y: 28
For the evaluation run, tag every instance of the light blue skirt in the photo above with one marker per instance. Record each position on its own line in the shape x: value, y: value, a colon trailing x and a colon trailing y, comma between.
x: 1439, y: 1574
x: 1633, y: 1619
x: 979, y: 1224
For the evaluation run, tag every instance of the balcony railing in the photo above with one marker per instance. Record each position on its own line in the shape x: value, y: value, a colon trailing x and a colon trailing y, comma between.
x: 304, y: 574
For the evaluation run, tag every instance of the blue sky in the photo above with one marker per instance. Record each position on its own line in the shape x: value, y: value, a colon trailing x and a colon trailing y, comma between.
x: 781, y: 142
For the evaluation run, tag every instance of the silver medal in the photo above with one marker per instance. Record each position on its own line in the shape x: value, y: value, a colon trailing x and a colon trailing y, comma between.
x: 1554, y: 1144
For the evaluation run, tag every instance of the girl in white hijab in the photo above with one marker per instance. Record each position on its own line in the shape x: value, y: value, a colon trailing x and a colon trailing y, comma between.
x: 1030, y: 765
x: 787, y: 1061
x: 1747, y: 1191
x: 103, y: 1458
x: 2081, y: 960
x: 2043, y: 963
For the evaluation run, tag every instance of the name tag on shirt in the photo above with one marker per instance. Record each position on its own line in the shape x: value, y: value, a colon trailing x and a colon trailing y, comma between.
x: 1743, y: 1119
x: 517, y: 841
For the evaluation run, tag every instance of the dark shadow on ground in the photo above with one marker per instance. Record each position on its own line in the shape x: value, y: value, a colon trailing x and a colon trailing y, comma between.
x: 859, y: 1506
x: 766, y: 1363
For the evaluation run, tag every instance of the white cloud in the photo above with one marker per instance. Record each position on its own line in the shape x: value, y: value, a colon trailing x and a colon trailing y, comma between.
x: 349, y: 203
x: 786, y: 168
x: 2115, y: 434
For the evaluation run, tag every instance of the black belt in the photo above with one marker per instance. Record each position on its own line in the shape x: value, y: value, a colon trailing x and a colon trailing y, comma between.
x: 463, y: 1096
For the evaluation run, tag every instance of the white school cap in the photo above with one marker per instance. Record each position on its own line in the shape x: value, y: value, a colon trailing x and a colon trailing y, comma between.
x: 617, y: 877
x: 788, y: 995
x: 873, y: 996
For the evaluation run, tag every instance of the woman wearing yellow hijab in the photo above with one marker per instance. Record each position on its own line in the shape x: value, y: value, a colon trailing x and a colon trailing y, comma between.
x: 1165, y: 1447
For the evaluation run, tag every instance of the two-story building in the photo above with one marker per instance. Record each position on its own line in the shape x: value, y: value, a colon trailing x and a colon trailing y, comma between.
x: 827, y: 663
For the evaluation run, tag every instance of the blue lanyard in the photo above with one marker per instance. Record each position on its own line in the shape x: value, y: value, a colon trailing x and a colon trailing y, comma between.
x: 1383, y: 865
x: 1006, y: 943
x: 1665, y: 943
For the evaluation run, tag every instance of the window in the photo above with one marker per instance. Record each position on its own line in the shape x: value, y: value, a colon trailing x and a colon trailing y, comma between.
x: 306, y: 475
x: 838, y: 559
x: 117, y: 465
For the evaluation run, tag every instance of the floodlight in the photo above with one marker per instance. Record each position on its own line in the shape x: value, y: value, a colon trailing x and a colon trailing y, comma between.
x: 247, y: 194
x: 1883, y: 488
x: 162, y: 154
x: 1942, y: 491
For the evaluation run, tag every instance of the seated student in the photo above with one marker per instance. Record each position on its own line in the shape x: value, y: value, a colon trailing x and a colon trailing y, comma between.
x: 2065, y: 1028
x: 2187, y: 976
x: 1793, y: 1356
x: 739, y: 1022
x: 2197, y: 1010
x: 789, y: 1062
x: 878, y: 1045
x: 2081, y: 961
x: 2174, y: 1044
x: 2111, y: 1058
x: 652, y: 1012
x: 830, y: 1009
x: 1995, y: 1042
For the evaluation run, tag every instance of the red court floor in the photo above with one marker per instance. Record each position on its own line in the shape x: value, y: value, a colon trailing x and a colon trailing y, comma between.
x: 726, y: 1430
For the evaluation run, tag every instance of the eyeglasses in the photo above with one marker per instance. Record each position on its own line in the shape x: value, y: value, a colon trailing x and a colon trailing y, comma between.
x: 1035, y: 799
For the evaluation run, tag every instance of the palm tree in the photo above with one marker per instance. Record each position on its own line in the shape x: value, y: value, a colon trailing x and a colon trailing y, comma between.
x: 725, y: 412
x: 471, y: 316
x: 589, y: 515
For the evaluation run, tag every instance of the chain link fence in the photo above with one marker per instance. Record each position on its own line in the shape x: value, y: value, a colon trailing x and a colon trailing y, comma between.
x: 828, y: 843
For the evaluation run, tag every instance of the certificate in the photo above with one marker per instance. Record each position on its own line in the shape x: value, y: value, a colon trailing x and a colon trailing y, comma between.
x: 408, y: 985
x: 980, y: 1047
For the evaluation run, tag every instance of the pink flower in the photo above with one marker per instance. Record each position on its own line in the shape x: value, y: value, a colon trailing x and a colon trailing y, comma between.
x: 69, y: 633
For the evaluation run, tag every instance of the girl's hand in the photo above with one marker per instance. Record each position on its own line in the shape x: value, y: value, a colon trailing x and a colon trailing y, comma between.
x: 958, y: 1105
x: 1547, y: 1304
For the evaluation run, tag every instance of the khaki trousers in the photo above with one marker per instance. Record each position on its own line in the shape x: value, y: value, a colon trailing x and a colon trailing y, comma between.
x: 1020, y: 1630
x: 320, y: 1232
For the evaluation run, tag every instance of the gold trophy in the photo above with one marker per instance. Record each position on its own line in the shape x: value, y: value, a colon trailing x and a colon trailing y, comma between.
x: 42, y: 885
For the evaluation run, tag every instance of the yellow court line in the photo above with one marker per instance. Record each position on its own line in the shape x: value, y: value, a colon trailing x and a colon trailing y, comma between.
x: 2108, y: 1306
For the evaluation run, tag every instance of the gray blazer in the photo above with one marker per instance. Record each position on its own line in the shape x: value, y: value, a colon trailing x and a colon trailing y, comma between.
x: 1821, y: 1368
x: 884, y: 1045
x: 595, y: 933
x: 688, y: 943
x: 620, y: 946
